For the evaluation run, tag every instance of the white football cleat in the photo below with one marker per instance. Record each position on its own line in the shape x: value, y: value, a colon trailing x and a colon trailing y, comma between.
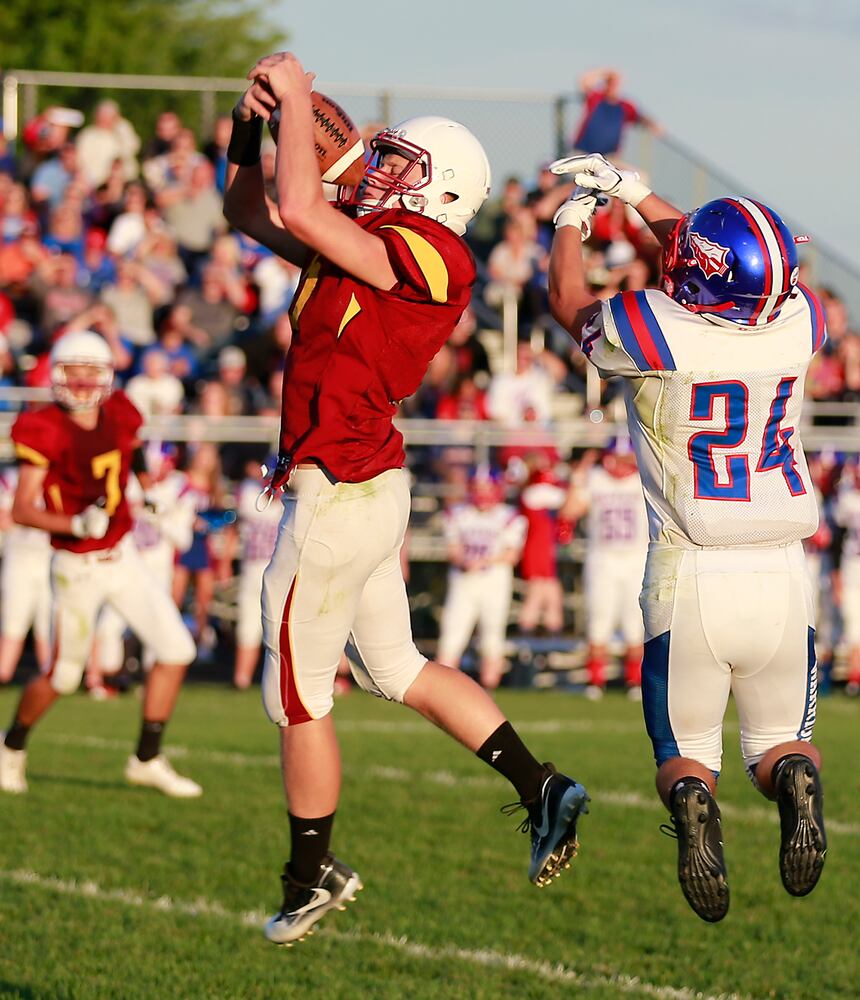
x: 158, y: 773
x: 335, y: 885
x: 13, y: 770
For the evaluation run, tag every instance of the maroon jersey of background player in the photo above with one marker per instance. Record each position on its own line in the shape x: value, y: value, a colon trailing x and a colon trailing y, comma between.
x: 83, y: 467
x: 358, y: 350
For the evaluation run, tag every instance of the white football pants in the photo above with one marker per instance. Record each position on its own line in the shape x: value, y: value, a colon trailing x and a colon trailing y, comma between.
x: 335, y: 573
x: 82, y: 582
x: 721, y: 621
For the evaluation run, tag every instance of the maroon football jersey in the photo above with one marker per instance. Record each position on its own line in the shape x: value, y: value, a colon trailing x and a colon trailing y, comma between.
x: 83, y: 466
x: 357, y: 351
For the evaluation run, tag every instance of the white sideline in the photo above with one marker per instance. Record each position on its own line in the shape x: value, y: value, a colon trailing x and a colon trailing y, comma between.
x: 632, y: 800
x: 483, y: 957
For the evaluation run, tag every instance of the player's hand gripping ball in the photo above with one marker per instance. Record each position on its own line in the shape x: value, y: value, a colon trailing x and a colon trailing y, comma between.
x: 339, y: 148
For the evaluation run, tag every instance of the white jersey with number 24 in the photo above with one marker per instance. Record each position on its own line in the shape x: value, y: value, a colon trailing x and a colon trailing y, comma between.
x: 713, y: 410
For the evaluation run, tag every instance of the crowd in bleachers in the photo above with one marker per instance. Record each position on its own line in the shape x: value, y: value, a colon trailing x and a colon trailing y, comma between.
x: 104, y: 229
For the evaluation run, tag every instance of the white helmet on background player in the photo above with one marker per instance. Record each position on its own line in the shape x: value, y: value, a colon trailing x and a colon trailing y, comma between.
x: 81, y: 390
x: 454, y: 176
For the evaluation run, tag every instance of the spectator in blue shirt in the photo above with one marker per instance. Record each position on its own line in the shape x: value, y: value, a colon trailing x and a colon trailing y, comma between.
x: 606, y: 113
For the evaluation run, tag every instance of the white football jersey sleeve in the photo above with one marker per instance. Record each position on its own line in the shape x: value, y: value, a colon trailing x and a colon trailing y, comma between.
x: 713, y: 410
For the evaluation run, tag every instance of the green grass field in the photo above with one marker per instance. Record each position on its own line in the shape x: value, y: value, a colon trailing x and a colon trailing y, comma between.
x: 108, y: 891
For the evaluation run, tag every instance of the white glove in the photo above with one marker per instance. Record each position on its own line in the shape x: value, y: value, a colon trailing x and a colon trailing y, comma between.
x: 577, y: 211
x: 595, y: 173
x: 92, y: 522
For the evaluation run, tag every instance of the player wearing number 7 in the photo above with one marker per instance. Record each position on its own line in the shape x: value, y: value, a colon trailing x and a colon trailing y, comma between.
x: 714, y: 365
x: 75, y: 455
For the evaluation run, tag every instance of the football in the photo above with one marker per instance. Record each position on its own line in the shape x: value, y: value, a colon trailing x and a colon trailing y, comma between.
x: 340, y: 150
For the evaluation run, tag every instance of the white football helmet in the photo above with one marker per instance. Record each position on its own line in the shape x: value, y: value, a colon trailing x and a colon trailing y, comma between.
x: 453, y: 180
x: 81, y: 390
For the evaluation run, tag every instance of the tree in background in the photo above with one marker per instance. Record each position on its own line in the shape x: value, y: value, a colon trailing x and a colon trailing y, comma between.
x: 153, y: 37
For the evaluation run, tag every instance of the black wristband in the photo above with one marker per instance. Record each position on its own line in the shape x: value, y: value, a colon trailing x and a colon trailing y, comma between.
x: 138, y: 461
x: 246, y: 140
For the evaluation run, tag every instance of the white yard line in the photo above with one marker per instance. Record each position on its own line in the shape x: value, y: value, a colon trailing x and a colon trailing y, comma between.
x: 621, y: 799
x: 555, y: 973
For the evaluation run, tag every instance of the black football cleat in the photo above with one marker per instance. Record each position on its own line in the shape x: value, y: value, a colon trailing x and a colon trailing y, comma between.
x: 803, y: 842
x: 695, y: 821
x: 335, y: 886
x: 551, y: 822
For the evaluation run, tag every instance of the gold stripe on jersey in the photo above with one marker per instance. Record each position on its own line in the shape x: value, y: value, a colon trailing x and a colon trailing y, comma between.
x: 429, y: 261
x: 28, y: 454
x: 307, y: 286
x: 351, y: 311
x: 55, y: 497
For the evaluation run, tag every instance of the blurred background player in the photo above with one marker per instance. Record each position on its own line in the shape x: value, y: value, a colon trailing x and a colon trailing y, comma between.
x: 385, y: 280
x: 258, y: 532
x: 540, y: 501
x: 484, y: 539
x: 163, y: 520
x: 713, y: 367
x: 846, y: 576
x: 198, y: 566
x: 25, y: 585
x: 74, y: 458
x: 616, y: 546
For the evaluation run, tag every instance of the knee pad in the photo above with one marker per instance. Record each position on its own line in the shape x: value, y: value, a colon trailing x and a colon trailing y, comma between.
x: 66, y: 677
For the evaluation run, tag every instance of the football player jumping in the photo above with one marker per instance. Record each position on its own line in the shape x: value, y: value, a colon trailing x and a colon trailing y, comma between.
x: 714, y: 365
x: 385, y: 280
x: 75, y: 456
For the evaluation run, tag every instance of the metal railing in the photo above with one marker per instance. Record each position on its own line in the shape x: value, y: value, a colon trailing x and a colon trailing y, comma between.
x: 480, y: 436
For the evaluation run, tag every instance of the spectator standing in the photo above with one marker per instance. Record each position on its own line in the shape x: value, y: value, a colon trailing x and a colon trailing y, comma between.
x: 168, y: 125
x: 212, y: 309
x: 155, y: 392
x: 192, y: 209
x: 523, y: 396
x: 52, y: 178
x: 110, y: 137
x: 606, y: 113
x: 133, y: 298
x: 129, y: 228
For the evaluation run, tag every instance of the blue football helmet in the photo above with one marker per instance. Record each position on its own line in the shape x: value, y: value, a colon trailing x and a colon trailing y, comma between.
x: 732, y: 257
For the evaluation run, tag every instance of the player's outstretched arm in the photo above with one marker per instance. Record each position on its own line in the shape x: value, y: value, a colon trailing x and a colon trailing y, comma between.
x: 246, y: 205
x: 301, y: 206
x: 570, y: 300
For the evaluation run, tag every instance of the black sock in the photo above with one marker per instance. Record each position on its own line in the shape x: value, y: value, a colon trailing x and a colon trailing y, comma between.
x: 309, y: 840
x: 16, y: 737
x: 506, y: 753
x: 149, y: 744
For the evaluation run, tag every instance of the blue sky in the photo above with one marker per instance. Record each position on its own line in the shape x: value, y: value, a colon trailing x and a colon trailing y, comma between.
x: 764, y: 89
